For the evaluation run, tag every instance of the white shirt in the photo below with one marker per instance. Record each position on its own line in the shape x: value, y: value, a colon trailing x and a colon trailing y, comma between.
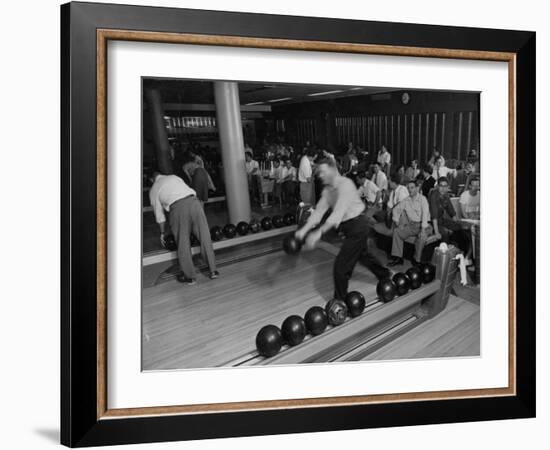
x: 380, y: 180
x: 290, y: 173
x: 305, y: 170
x: 443, y: 171
x: 342, y: 198
x: 368, y: 191
x: 251, y: 165
x: 469, y: 204
x: 276, y: 173
x: 166, y: 190
x: 398, y: 194
x: 384, y: 158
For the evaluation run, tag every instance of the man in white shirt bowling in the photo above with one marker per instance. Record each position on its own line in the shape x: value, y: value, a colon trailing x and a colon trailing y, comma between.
x: 170, y: 193
x: 341, y: 195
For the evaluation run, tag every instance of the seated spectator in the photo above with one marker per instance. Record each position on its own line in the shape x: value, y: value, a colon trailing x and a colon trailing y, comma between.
x: 440, y: 170
x: 410, y: 217
x: 428, y: 181
x: 469, y: 201
x: 254, y: 178
x: 368, y: 191
x: 379, y: 177
x: 397, y: 193
x: 436, y: 154
x: 400, y: 172
x: 349, y: 161
x: 412, y: 171
x: 474, y: 160
x: 460, y: 181
x: 444, y: 218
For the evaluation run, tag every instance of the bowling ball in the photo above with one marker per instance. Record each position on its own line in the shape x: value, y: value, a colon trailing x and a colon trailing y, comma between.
x: 337, y: 312
x: 278, y: 221
x: 316, y: 320
x: 242, y: 228
x: 269, y: 341
x: 229, y: 231
x: 216, y: 233
x: 291, y: 245
x: 386, y: 290
x: 428, y: 272
x: 266, y: 223
x: 293, y: 330
x: 355, y: 303
x: 289, y: 219
x: 170, y: 243
x: 415, y: 275
x: 254, y: 227
x: 402, y: 283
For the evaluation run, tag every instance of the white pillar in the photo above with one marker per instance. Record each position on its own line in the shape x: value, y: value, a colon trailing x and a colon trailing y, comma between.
x: 228, y: 112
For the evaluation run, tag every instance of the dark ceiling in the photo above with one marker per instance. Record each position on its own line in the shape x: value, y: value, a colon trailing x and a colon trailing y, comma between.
x: 202, y: 92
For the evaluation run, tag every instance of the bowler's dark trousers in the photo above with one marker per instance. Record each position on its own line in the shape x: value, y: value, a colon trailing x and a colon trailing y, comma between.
x: 354, y: 249
x: 186, y: 217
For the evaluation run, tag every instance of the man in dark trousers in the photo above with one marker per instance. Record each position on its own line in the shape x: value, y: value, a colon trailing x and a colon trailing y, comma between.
x: 341, y: 195
x: 170, y: 193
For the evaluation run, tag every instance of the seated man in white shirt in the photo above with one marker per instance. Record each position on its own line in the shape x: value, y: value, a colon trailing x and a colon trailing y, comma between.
x: 379, y: 177
x: 398, y: 192
x: 340, y: 195
x: 370, y: 194
x: 440, y: 170
x: 468, y: 208
x: 254, y: 178
x: 411, y: 217
x: 169, y: 193
x: 289, y: 179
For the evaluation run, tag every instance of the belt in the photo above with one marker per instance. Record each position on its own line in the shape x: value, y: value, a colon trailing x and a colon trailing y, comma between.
x: 181, y: 199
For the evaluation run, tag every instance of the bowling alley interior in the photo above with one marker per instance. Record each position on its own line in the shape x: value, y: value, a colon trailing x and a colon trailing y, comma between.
x: 231, y: 170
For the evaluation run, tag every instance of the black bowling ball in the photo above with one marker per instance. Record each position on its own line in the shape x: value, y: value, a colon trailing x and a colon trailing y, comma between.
x: 316, y: 320
x: 402, y: 283
x: 216, y: 233
x: 170, y: 243
x: 428, y: 272
x: 278, y: 221
x: 291, y: 245
x: 269, y: 341
x: 266, y: 223
x: 386, y: 290
x: 289, y: 219
x: 293, y: 330
x: 355, y: 303
x: 229, y: 231
x: 242, y: 228
x: 415, y: 275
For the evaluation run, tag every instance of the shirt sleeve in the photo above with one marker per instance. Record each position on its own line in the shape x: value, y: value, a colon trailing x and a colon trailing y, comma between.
x: 450, y: 208
x: 346, y: 193
x: 319, y: 211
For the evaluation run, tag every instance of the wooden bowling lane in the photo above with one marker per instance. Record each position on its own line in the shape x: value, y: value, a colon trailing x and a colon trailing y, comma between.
x: 215, y: 321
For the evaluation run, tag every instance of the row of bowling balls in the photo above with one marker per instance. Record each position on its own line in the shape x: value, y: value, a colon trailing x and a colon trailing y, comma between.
x: 388, y: 288
x: 294, y: 329
x: 243, y: 228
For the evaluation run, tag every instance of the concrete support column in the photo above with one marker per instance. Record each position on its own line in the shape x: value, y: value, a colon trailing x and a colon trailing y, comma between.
x: 228, y: 113
x: 160, y: 136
